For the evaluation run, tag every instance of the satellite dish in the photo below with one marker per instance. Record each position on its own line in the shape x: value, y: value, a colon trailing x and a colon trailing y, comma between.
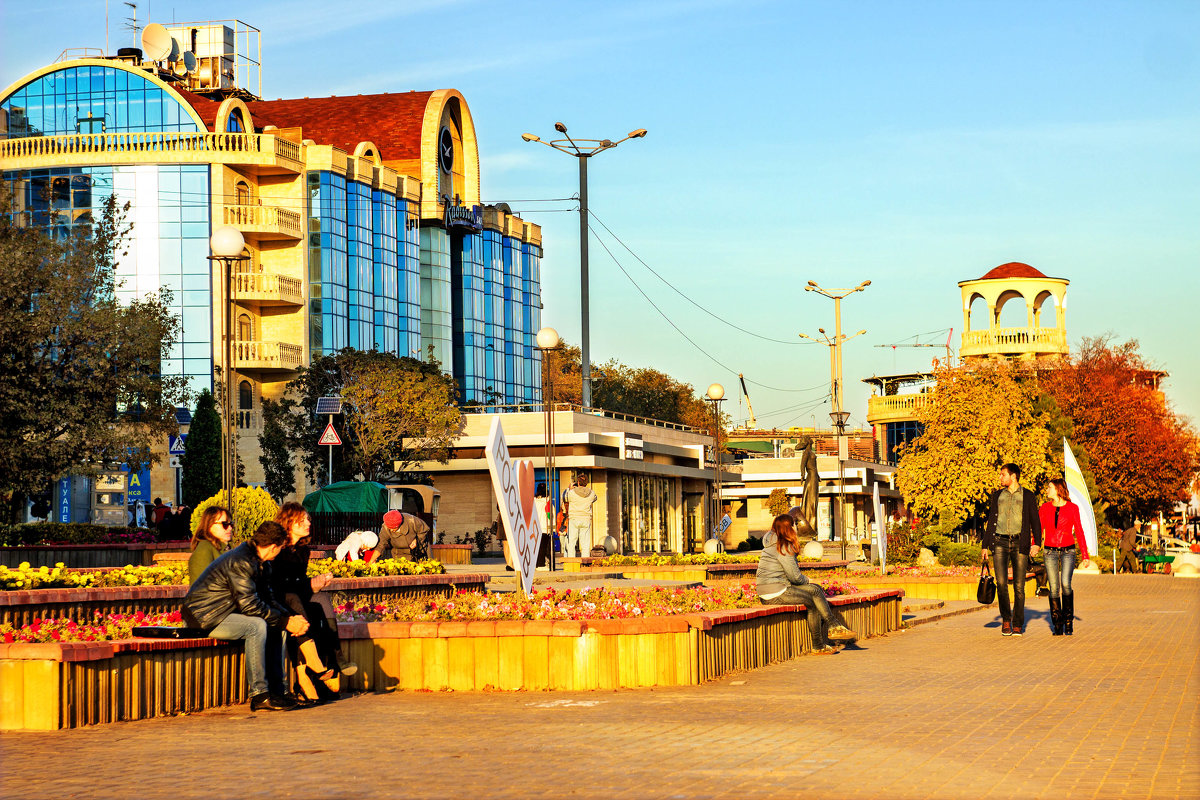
x: 189, y: 62
x: 176, y: 50
x: 156, y: 42
x: 179, y: 69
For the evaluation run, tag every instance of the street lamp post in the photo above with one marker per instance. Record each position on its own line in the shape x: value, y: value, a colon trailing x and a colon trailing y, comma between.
x: 227, y: 244
x: 838, y: 414
x: 547, y: 340
x: 716, y: 395
x: 583, y: 149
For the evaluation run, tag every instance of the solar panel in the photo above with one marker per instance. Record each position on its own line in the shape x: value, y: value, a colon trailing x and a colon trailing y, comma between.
x: 329, y: 405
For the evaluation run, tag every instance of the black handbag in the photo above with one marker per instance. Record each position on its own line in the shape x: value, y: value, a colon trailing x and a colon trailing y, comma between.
x: 986, y: 591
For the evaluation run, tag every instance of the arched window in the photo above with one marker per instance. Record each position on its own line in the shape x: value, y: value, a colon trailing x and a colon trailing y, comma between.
x: 241, y: 193
x: 235, y: 123
x: 245, y: 396
x: 245, y: 330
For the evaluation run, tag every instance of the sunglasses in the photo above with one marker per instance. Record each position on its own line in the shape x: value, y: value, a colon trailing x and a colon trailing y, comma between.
x: 226, y: 524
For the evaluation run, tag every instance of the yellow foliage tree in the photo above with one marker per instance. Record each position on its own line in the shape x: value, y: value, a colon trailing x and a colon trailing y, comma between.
x: 978, y: 417
x: 253, y: 507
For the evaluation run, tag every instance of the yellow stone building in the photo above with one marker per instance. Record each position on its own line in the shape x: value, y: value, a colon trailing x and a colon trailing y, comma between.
x: 361, y: 215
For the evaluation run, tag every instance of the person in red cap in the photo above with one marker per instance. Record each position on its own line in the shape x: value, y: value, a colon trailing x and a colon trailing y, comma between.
x: 404, y: 535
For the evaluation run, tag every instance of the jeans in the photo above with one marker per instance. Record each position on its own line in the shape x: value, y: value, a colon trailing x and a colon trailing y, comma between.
x: 820, y: 613
x: 1005, y: 555
x: 254, y: 631
x: 1060, y: 564
x: 579, y: 532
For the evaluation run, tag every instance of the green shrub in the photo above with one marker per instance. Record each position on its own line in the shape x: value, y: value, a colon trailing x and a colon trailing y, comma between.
x: 902, y: 547
x: 954, y: 554
x: 45, y: 533
x: 935, y: 541
x: 254, y: 507
x: 750, y: 543
x: 777, y: 502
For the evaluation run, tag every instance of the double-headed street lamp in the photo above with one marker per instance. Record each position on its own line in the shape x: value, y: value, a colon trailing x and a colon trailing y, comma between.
x: 583, y: 149
x: 227, y: 245
x: 838, y: 415
x: 547, y: 341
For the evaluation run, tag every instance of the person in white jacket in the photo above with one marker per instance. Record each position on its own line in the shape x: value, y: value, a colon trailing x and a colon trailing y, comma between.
x: 355, y: 545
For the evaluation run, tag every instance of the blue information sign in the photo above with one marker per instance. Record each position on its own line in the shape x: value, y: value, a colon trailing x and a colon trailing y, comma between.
x: 63, y: 497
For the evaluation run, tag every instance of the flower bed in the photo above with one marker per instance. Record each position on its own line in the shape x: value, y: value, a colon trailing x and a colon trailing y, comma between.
x: 569, y: 604
x: 26, y: 577
x: 83, y: 602
x: 46, y: 685
x: 580, y: 654
x: 100, y: 628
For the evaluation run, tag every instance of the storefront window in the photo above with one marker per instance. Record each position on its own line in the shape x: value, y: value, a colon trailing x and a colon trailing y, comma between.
x: 649, y: 514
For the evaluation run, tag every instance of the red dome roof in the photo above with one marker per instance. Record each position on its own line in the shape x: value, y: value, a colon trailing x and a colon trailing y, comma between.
x: 1013, y: 269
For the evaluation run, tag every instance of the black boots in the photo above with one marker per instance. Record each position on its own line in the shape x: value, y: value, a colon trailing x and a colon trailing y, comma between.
x: 1068, y: 614
x: 1056, y: 616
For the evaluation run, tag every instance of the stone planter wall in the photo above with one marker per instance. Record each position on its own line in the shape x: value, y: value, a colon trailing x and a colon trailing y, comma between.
x: 451, y: 553
x: 687, y: 572
x: 90, y: 556
x: 22, y: 608
x: 931, y: 588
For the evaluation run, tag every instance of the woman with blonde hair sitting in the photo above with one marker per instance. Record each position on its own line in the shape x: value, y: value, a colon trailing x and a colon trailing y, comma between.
x: 319, y: 653
x: 780, y: 582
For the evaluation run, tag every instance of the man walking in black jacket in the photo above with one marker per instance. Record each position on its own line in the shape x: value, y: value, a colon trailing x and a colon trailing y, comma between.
x: 225, y: 602
x: 1013, y: 532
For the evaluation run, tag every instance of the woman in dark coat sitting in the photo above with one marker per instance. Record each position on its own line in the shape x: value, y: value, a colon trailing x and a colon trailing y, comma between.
x: 780, y: 582
x: 315, y: 653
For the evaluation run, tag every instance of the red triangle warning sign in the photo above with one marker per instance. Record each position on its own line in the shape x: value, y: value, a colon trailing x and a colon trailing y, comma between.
x: 329, y: 436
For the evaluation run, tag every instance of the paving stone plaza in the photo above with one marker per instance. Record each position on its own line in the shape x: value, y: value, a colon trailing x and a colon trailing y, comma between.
x: 948, y: 709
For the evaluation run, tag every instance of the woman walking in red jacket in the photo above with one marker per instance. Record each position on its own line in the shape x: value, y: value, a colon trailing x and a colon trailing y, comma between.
x: 1062, y: 531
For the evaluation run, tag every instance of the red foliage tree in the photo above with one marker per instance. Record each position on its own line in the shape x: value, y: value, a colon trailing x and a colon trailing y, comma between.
x: 1143, y: 455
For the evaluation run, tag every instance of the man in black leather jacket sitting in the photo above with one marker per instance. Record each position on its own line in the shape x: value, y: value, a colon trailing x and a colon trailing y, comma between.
x: 225, y: 602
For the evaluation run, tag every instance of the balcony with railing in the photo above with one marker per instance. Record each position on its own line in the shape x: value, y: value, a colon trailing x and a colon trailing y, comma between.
x: 267, y: 356
x: 260, y: 153
x: 895, y: 408
x: 264, y: 222
x: 267, y: 289
x: 1029, y: 341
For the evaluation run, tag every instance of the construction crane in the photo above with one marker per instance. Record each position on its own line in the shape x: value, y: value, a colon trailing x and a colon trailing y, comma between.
x: 749, y: 408
x: 918, y: 343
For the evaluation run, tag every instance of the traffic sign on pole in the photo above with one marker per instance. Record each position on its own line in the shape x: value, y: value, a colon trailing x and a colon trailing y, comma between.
x: 175, y: 444
x: 329, y: 436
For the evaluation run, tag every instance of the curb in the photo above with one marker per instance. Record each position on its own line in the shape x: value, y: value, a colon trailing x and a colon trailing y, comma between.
x: 911, y: 623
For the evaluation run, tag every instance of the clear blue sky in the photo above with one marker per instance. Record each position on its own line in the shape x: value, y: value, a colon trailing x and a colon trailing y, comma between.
x: 914, y: 144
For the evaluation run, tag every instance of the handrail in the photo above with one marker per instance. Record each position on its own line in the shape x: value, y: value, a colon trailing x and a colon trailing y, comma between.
x: 283, y: 355
x: 268, y: 283
x: 512, y: 408
x: 149, y: 142
x: 247, y: 216
x: 1015, y: 336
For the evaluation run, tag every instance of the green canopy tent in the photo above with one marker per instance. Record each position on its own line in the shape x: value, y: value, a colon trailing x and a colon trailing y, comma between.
x: 348, y: 497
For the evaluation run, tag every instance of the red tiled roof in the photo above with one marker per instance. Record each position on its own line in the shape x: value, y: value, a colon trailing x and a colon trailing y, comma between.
x: 1013, y: 269
x: 391, y: 121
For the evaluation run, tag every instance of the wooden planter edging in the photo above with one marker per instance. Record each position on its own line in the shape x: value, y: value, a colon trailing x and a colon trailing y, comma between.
x: 53, y: 686
x: 932, y: 588
x: 22, y: 608
x: 451, y: 553
x: 86, y: 556
x: 686, y: 649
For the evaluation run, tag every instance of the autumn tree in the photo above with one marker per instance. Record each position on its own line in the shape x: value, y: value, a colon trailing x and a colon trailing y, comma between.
x: 978, y: 417
x: 81, y: 383
x: 395, y: 409
x: 1143, y: 455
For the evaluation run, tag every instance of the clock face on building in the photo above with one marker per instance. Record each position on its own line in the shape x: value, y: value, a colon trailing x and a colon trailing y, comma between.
x: 446, y: 150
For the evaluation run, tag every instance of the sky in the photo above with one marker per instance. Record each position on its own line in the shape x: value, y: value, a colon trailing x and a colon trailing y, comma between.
x: 914, y: 145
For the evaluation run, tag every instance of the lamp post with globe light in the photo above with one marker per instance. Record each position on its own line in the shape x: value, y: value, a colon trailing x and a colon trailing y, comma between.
x: 227, y: 246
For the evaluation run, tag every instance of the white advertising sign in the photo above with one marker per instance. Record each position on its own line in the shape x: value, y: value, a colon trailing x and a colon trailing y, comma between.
x: 514, y: 486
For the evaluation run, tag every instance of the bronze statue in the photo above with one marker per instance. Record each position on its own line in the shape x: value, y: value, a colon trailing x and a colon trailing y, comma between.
x: 804, y: 515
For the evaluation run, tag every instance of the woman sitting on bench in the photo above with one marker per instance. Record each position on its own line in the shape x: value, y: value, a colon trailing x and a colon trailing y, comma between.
x: 319, y: 649
x: 780, y: 582
x: 209, y: 540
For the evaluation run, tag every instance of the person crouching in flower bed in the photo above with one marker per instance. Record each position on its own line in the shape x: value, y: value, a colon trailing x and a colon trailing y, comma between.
x: 210, y: 539
x: 403, y: 536
x: 225, y: 602
x: 358, y: 546
x: 317, y: 652
x: 780, y: 582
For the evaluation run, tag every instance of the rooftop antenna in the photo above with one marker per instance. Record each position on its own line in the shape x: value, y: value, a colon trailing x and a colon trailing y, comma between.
x: 131, y: 23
